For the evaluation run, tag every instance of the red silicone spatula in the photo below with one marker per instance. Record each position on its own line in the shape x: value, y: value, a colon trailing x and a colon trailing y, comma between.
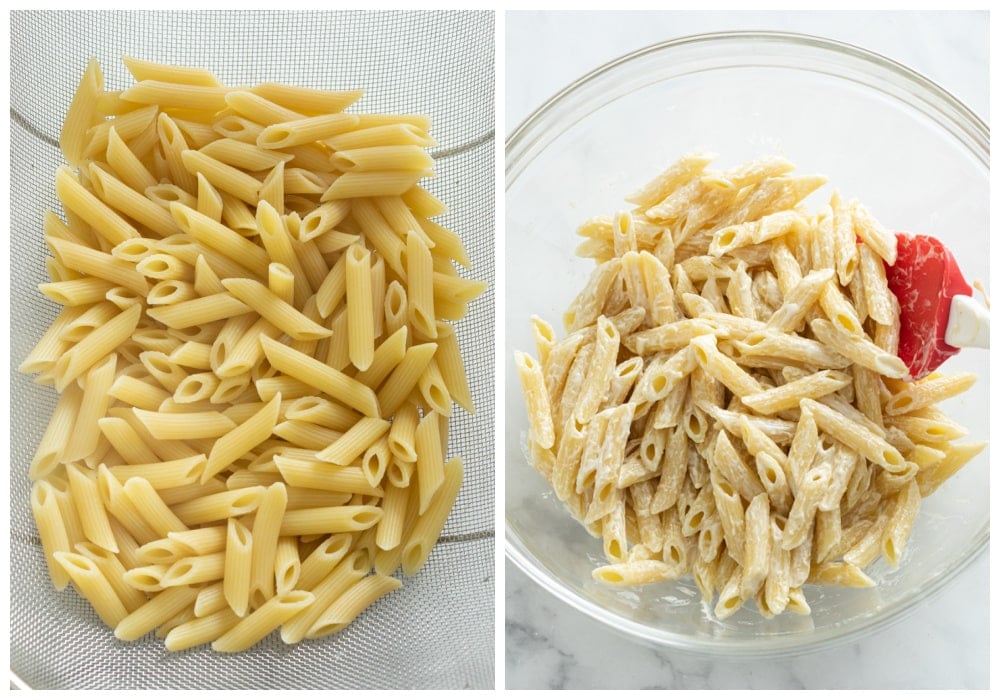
x: 937, y: 313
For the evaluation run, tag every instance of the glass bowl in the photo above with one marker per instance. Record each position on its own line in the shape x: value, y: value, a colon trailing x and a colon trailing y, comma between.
x: 912, y: 153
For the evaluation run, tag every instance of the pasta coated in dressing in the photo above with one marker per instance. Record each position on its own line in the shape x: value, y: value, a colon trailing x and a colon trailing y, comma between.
x: 727, y: 402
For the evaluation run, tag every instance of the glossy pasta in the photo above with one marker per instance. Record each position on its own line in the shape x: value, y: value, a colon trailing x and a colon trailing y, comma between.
x: 727, y: 402
x: 245, y: 366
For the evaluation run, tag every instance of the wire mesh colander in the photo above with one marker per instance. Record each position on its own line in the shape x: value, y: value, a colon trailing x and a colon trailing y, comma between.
x: 437, y: 630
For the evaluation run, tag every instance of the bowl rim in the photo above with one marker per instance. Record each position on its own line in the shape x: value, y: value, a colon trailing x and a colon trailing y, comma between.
x: 980, y: 128
x: 518, y: 145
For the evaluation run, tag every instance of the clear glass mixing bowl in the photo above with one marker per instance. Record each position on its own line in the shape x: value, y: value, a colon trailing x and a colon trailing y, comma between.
x: 912, y: 153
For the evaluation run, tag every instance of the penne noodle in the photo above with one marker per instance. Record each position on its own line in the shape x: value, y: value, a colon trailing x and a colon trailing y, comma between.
x: 242, y: 439
x: 245, y: 359
x: 266, y: 524
x: 373, y: 183
x: 92, y: 584
x: 237, y: 560
x: 335, y: 384
x: 302, y: 131
x: 307, y: 100
x: 428, y: 526
x: 360, y: 314
x: 331, y: 519
x: 258, y: 297
x: 348, y: 606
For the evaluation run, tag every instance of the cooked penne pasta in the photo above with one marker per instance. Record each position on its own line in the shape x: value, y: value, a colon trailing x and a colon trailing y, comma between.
x: 238, y: 558
x: 312, y: 521
x: 250, y: 282
x: 373, y: 183
x: 539, y: 408
x: 236, y: 252
x: 219, y: 506
x: 352, y: 568
x: 428, y: 526
x: 95, y: 347
x: 771, y: 439
x: 360, y: 314
x: 308, y: 130
x: 242, y: 439
x: 91, y: 583
x: 405, y: 377
x: 283, y: 315
x: 353, y: 601
x: 264, y: 538
x: 335, y: 384
x: 420, y: 286
x: 160, y: 608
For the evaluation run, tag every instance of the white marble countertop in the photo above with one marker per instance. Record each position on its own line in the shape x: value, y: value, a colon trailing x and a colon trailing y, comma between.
x: 944, y: 642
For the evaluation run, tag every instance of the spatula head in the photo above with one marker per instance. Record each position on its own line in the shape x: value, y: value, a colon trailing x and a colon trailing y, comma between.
x: 924, y: 279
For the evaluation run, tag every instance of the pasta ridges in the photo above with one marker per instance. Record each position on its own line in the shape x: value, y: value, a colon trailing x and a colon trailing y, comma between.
x: 212, y: 300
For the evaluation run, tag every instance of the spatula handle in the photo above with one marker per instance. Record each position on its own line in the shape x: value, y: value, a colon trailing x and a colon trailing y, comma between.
x: 968, y: 324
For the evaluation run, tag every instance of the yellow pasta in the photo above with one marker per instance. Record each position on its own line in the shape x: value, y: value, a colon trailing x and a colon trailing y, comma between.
x: 114, y: 571
x: 404, y: 377
x: 287, y: 565
x: 221, y: 239
x: 307, y: 100
x: 388, y: 135
x: 283, y: 315
x: 266, y: 524
x: 82, y: 113
x: 351, y: 444
x: 360, y: 318
x: 354, y: 600
x: 312, y: 521
x: 194, y: 570
x: 219, y: 506
x: 174, y: 94
x: 152, y: 508
x: 385, y: 359
x: 352, y: 568
x: 430, y: 460
x: 160, y: 608
x: 235, y: 346
x: 90, y: 582
x: 201, y: 630
x: 237, y: 580
x: 242, y: 439
x: 99, y: 264
x: 96, y: 346
x: 428, y: 526
x: 311, y: 473
x: 51, y: 529
x: 181, y: 426
x: 335, y: 384
x: 93, y: 516
x: 302, y: 131
x: 148, y: 70
x: 373, y: 183
x: 203, y: 540
x: 133, y: 203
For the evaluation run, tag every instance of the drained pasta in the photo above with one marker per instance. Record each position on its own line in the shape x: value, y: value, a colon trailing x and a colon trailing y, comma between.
x: 253, y: 299
x: 727, y: 402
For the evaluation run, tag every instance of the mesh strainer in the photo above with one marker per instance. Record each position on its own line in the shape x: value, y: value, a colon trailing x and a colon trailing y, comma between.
x: 436, y: 631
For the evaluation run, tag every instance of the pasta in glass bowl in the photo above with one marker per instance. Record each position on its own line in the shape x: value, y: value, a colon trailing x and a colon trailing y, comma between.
x: 827, y: 107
